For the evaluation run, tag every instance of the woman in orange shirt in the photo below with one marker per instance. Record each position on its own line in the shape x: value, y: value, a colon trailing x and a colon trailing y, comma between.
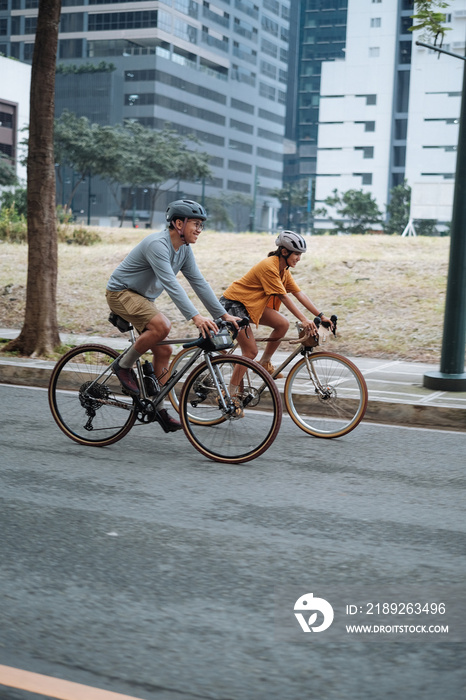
x: 258, y: 295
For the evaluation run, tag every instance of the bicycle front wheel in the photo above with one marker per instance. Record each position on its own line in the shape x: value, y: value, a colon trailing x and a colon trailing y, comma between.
x: 237, y: 423
x: 325, y: 395
x: 86, y: 399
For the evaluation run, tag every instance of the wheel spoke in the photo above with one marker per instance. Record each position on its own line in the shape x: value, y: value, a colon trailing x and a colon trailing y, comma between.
x: 238, y: 423
x: 86, y: 397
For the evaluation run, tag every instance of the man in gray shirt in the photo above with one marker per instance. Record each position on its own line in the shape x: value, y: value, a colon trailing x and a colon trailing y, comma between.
x: 147, y: 270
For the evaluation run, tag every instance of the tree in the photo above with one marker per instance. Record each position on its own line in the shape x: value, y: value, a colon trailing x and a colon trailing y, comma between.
x: 357, y: 210
x: 39, y: 334
x: 7, y: 173
x: 153, y: 157
x: 218, y: 215
x: 292, y: 197
x: 129, y: 155
x: 398, y: 209
x: 429, y: 20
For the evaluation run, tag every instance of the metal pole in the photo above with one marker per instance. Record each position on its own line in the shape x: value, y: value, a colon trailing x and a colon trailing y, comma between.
x: 452, y: 376
x: 89, y: 199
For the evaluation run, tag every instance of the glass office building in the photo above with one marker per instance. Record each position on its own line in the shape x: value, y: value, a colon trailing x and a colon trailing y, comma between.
x: 217, y: 70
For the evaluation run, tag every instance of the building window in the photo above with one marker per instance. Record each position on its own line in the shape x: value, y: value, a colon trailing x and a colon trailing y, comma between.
x: 244, y: 106
x: 241, y: 126
x: 368, y: 126
x: 367, y: 151
x: 67, y: 48
x: 399, y: 156
x: 122, y: 20
x: 269, y: 48
x: 374, y: 51
x: 366, y: 178
x: 240, y: 146
x: 238, y: 186
x: 30, y: 25
x: 267, y: 91
x: 370, y: 99
x: 402, y: 91
x: 376, y: 22
x: 268, y: 25
x: 401, y: 129
x: 71, y: 22
x: 268, y: 69
x: 239, y: 166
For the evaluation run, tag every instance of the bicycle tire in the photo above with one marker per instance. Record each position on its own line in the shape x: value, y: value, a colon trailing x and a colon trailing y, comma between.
x: 342, y: 406
x: 72, y: 408
x: 243, y: 435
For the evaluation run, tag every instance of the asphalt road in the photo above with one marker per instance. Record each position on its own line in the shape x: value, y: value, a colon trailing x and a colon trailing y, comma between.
x: 145, y: 569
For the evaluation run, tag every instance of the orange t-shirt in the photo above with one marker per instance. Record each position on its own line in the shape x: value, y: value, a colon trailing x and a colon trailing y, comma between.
x: 258, y: 287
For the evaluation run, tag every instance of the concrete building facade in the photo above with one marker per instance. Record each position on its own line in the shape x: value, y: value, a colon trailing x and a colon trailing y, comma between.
x: 389, y: 110
x: 14, y: 110
x: 216, y: 69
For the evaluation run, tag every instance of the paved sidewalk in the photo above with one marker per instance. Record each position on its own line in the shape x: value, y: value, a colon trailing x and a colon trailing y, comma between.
x: 396, y: 394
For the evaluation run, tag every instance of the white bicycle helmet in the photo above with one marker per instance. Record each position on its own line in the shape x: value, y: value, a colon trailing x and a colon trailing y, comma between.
x: 185, y: 209
x: 292, y: 241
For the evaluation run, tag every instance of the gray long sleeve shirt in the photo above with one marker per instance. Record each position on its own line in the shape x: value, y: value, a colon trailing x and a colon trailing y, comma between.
x: 152, y: 266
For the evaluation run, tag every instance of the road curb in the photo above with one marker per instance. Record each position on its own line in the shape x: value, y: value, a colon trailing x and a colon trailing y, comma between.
x: 37, y: 373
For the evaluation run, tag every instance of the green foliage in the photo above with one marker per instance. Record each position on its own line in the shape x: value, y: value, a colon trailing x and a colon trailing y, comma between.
x: 398, y: 209
x: 357, y: 210
x: 78, y: 236
x: 428, y: 19
x: 7, y: 173
x: 129, y: 154
x: 73, y: 69
x: 218, y: 216
x: 13, y: 226
x: 15, y: 200
x: 64, y: 215
x: 426, y: 227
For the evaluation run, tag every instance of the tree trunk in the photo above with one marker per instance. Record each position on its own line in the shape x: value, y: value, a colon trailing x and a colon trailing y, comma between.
x: 39, y: 335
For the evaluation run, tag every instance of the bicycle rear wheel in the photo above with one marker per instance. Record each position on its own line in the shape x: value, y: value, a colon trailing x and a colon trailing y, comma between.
x: 325, y: 395
x: 90, y: 412
x: 246, y: 426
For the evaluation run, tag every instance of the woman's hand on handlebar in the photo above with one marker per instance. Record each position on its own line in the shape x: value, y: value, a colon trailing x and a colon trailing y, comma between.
x: 231, y: 319
x: 309, y: 327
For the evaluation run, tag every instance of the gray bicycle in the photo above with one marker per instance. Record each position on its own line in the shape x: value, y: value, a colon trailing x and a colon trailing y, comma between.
x: 232, y: 423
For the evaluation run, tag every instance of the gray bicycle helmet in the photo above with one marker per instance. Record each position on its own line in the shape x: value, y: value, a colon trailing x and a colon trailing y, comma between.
x: 185, y: 209
x: 292, y: 241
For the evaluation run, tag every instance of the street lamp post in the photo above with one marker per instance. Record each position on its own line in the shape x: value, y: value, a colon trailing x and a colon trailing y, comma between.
x: 452, y: 376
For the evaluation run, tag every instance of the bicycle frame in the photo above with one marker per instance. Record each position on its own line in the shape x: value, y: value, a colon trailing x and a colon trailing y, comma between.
x: 222, y: 389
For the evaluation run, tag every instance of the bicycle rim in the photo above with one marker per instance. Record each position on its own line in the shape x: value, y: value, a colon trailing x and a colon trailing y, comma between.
x: 78, y: 403
x: 252, y: 421
x: 328, y: 397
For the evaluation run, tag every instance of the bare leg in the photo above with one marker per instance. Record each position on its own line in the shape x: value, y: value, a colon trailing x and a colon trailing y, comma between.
x: 156, y: 330
x: 248, y: 349
x: 280, y: 325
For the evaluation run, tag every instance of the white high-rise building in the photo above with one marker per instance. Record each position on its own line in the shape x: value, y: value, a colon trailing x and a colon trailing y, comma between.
x: 389, y: 111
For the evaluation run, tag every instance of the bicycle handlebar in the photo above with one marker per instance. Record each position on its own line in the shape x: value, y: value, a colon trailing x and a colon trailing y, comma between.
x: 326, y: 324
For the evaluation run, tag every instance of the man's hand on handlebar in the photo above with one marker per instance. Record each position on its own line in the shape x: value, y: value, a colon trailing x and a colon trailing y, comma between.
x: 204, y: 325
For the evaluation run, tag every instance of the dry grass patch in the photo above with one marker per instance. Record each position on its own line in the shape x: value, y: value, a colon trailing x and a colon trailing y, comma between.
x: 387, y: 291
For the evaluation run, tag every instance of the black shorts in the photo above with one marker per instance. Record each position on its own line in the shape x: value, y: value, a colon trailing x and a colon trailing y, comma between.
x: 235, y: 308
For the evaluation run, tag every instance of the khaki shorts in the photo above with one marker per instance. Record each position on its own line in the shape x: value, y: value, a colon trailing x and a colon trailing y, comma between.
x: 132, y: 307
